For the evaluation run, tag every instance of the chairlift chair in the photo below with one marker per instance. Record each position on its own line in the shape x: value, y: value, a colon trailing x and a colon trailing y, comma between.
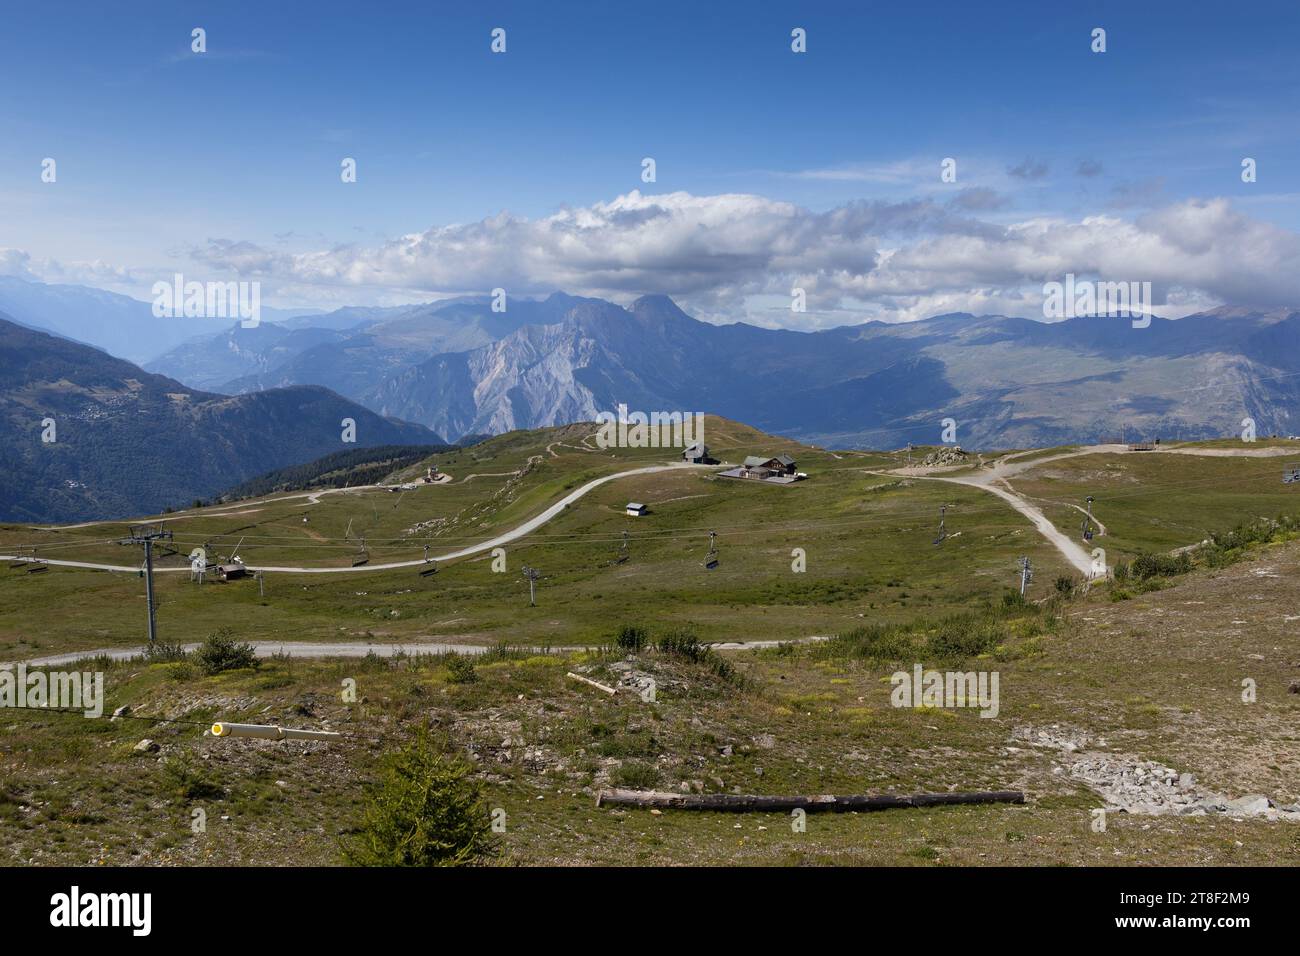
x: 711, y: 559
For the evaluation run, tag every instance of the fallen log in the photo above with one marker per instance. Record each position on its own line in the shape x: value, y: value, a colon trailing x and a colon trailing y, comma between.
x: 749, y: 803
x: 596, y: 684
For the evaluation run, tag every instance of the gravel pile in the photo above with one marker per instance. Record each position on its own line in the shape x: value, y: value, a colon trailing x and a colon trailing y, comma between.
x: 1143, y: 786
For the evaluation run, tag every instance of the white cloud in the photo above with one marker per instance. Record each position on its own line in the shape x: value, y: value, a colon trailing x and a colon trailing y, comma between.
x: 737, y: 256
x: 14, y: 262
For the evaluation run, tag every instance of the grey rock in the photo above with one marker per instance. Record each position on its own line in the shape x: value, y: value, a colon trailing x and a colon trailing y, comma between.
x: 1253, y: 805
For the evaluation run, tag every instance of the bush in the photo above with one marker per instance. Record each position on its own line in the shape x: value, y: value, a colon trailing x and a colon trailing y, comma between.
x: 221, y: 652
x: 426, y: 810
x: 874, y: 642
x: 1146, y: 566
x: 1013, y: 600
x: 964, y: 635
x: 1065, y: 583
x: 184, y: 780
x: 460, y: 669
x: 165, y: 652
x: 632, y: 638
x: 683, y: 643
x: 635, y: 775
x: 180, y: 671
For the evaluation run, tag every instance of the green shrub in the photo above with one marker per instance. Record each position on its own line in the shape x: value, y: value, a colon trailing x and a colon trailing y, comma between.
x: 425, y: 810
x: 180, y: 671
x: 631, y: 638
x: 184, y: 780
x: 460, y: 669
x: 165, y: 652
x: 1013, y: 600
x: 221, y: 652
x: 1146, y: 566
x: 873, y: 642
x: 964, y: 635
x: 1065, y: 583
x: 635, y: 775
x: 683, y: 643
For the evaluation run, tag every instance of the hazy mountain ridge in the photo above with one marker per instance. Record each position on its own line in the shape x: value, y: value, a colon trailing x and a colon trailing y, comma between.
x: 130, y: 442
x: 457, y: 367
x: 1006, y: 381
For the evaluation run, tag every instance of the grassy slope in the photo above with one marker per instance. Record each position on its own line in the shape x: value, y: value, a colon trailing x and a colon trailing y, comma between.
x: 1158, y: 502
x: 868, y: 542
x: 1157, y: 676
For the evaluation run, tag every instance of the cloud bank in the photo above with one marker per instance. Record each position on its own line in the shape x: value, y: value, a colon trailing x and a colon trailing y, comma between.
x: 738, y: 256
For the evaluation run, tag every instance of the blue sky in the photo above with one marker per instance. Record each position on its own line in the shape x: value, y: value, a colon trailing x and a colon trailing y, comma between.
x: 162, y: 152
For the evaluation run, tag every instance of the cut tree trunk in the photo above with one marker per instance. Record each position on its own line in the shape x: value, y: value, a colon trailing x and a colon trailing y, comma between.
x: 596, y: 684
x: 748, y: 803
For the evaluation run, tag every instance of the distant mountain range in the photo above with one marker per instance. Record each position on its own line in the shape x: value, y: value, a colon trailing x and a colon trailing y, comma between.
x: 457, y: 367
x: 1007, y: 382
x: 127, y: 442
x: 118, y: 324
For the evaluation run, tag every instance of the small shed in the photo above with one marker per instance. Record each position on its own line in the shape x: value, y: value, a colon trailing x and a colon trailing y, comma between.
x: 636, y: 510
x: 229, y: 572
x: 697, y: 453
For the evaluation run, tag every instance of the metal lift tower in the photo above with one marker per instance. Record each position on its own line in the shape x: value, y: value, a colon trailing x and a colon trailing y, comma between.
x: 147, y: 535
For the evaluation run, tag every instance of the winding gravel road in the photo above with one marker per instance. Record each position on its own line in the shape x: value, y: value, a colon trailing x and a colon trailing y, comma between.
x: 529, y: 526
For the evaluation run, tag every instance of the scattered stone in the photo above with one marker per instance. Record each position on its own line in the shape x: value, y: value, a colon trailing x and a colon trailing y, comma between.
x: 765, y: 741
x: 1253, y: 805
x: 950, y: 455
x: 122, y: 711
x: 146, y: 746
x: 1130, y: 785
